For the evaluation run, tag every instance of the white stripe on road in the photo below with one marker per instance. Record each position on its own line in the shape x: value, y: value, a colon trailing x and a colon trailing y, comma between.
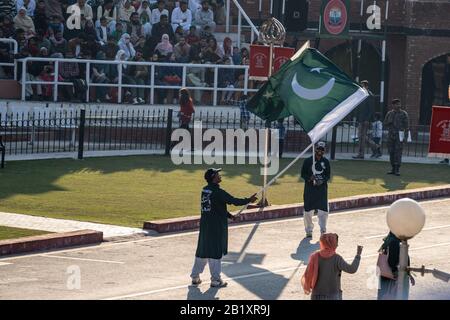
x: 424, y: 229
x: 5, y: 263
x: 251, y: 275
x: 247, y: 224
x: 82, y: 259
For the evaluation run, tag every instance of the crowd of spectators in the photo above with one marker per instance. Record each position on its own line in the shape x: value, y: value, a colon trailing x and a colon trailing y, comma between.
x: 138, y: 30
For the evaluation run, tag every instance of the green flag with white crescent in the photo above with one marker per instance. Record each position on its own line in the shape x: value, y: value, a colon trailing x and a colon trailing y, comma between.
x: 312, y: 89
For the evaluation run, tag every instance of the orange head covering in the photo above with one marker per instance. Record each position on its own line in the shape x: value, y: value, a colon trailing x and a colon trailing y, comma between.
x: 328, y: 245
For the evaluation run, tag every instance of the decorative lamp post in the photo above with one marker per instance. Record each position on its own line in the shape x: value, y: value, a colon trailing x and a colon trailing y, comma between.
x: 405, y: 218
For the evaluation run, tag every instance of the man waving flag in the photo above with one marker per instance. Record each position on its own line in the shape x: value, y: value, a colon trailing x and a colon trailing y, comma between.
x: 312, y: 89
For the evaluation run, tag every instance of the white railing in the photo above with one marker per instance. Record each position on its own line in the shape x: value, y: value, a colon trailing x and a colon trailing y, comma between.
x: 15, y: 51
x: 119, y: 85
x: 241, y: 13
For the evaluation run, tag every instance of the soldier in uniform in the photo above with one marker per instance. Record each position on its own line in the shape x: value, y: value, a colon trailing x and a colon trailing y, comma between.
x: 397, y: 124
x: 316, y: 175
x: 213, y: 236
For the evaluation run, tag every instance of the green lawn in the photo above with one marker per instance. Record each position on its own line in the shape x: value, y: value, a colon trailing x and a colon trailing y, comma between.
x: 129, y: 190
x: 12, y: 233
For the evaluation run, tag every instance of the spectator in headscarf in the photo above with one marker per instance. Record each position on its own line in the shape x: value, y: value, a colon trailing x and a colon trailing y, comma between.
x: 22, y: 21
x: 322, y: 277
x: 126, y: 46
x: 164, y: 48
x: 130, y: 93
x: 144, y: 12
x: 30, y: 5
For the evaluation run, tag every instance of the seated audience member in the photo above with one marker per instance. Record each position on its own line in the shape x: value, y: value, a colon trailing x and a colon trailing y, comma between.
x: 24, y: 22
x: 204, y: 17
x: 118, y: 32
x: 164, y: 48
x: 192, y: 37
x: 135, y: 28
x: 103, y: 31
x: 182, y: 16
x: 159, y: 11
x: 182, y: 50
x: 161, y: 28
x: 125, y: 11
x: 108, y: 11
x: 126, y: 46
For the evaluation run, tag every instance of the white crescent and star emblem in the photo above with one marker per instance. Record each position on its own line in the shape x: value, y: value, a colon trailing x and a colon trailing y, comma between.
x: 312, y: 94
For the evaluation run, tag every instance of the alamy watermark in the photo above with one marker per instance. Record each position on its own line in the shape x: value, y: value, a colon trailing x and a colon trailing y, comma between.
x: 233, y: 146
x: 74, y: 277
x: 74, y: 20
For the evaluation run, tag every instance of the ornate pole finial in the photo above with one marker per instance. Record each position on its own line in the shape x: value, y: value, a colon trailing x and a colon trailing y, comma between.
x: 272, y: 32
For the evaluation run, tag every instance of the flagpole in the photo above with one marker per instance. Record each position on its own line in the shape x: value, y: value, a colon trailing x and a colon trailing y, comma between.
x: 278, y: 175
x: 266, y: 143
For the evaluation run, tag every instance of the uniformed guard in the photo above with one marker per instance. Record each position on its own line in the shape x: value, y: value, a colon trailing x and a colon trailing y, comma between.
x: 397, y: 124
x: 213, y: 236
x: 316, y: 174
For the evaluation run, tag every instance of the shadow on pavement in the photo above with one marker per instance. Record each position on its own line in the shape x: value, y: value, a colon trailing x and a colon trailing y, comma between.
x: 304, y: 250
x: 194, y: 293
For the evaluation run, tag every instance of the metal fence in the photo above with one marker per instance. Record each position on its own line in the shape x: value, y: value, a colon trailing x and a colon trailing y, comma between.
x: 12, y: 62
x: 79, y: 130
x: 152, y: 85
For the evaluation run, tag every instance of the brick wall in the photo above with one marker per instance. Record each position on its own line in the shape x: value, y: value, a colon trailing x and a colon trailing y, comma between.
x: 419, y: 50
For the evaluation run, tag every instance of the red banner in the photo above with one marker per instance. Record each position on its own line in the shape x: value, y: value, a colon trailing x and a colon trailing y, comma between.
x: 282, y: 55
x: 440, y: 132
x: 259, y: 60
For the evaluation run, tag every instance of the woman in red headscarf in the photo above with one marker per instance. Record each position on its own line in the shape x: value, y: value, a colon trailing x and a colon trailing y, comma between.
x: 322, y: 277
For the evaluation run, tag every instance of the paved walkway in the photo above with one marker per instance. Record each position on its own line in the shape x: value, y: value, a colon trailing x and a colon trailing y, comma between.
x: 265, y: 261
x: 60, y: 225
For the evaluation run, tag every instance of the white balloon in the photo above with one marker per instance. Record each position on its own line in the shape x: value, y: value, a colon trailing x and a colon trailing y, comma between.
x: 405, y: 218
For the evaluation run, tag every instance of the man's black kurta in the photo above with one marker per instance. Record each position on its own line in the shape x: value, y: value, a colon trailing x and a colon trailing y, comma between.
x: 316, y: 197
x: 213, y: 236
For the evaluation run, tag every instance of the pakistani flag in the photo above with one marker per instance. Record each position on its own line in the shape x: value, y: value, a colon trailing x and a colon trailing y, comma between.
x: 312, y: 89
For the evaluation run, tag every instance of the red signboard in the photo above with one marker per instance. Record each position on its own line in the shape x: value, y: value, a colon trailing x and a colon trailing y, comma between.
x: 260, y: 60
x: 440, y: 132
x: 282, y: 55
